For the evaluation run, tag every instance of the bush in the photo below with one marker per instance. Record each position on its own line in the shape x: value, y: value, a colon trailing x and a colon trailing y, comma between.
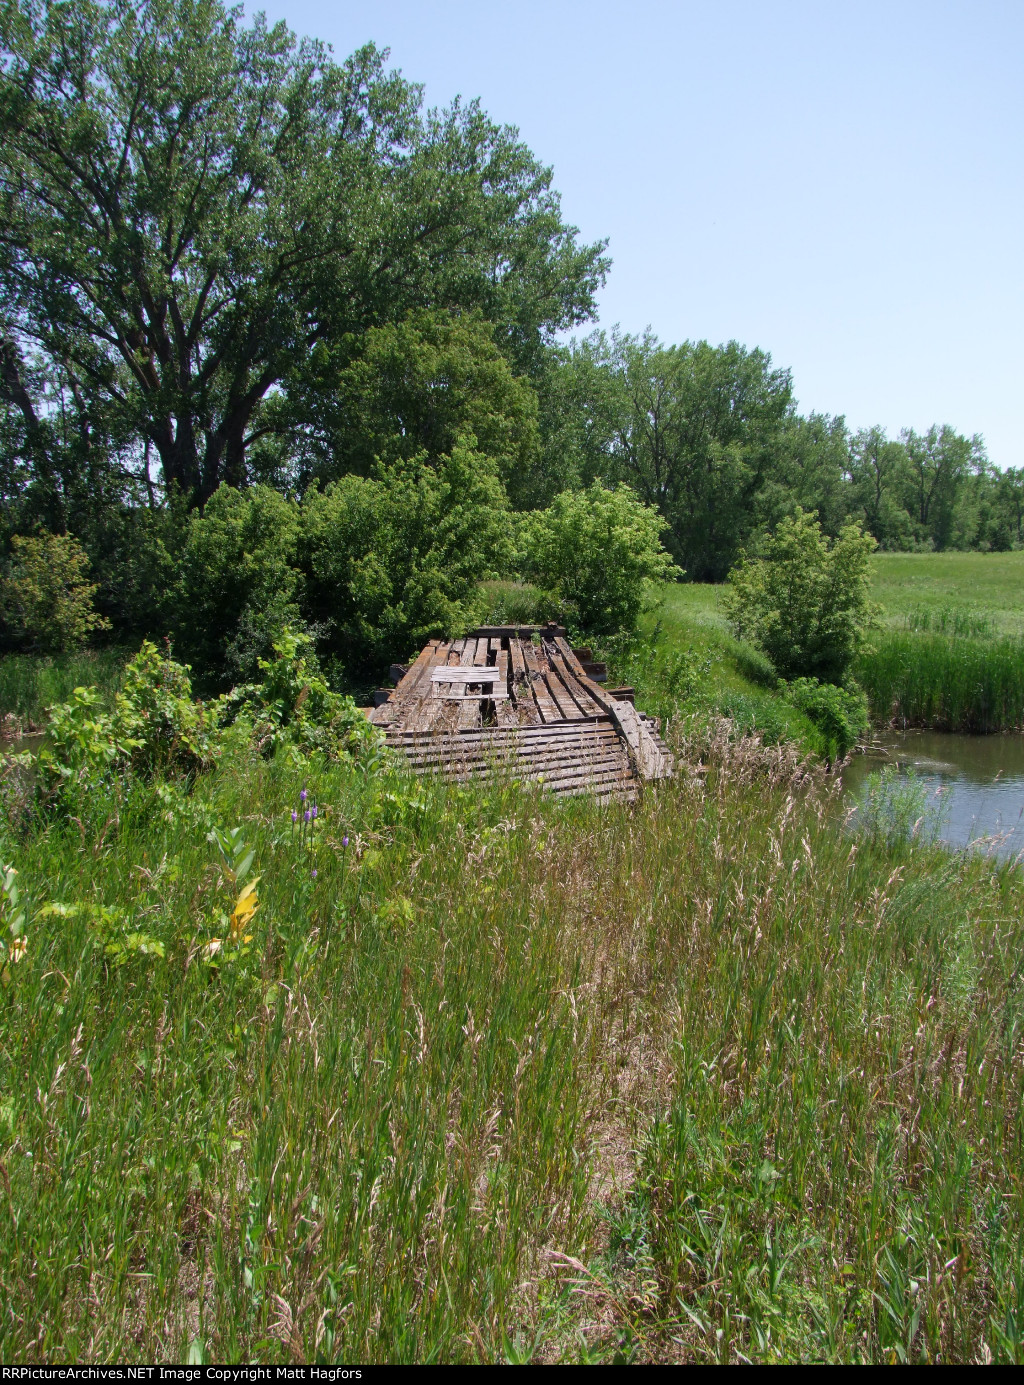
x: 804, y: 600
x: 47, y: 597
x: 294, y: 706
x: 238, y: 586
x: 396, y: 558
x: 599, y: 551
x: 840, y: 715
x: 517, y: 603
x: 155, y: 713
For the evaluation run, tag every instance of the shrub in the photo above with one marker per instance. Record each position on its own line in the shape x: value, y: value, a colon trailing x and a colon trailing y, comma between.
x: 517, y: 603
x: 396, y: 558
x: 238, y: 586
x: 599, y: 551
x: 293, y: 705
x: 155, y: 713
x: 47, y: 597
x: 804, y: 600
x: 840, y: 715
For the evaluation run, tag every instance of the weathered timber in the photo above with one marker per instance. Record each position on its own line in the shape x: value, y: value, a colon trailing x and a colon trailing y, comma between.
x: 502, y: 702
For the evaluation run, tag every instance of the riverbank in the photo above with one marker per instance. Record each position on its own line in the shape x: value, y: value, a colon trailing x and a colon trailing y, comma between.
x: 452, y: 1091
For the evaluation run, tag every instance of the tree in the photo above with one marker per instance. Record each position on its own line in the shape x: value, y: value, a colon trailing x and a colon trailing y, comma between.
x: 238, y: 584
x: 599, y: 551
x: 694, y: 429
x: 938, y: 462
x: 411, y: 389
x: 395, y: 558
x: 47, y: 595
x: 803, y: 600
x: 189, y: 206
x: 878, y: 472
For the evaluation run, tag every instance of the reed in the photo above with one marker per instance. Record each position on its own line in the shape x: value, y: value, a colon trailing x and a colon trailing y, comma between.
x: 944, y: 682
x: 30, y: 683
x: 491, y: 1077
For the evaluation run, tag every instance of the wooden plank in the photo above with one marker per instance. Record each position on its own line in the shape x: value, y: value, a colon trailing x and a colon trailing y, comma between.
x: 586, y: 704
x: 546, y: 706
x: 404, y: 694
x: 424, y: 714
x: 470, y: 713
x: 464, y: 675
x: 504, y: 711
x: 650, y: 762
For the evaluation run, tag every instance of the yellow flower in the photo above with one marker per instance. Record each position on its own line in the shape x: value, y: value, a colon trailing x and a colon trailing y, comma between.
x: 18, y: 949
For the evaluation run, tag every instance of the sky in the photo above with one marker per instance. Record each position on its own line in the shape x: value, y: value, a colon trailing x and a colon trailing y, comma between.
x: 839, y: 183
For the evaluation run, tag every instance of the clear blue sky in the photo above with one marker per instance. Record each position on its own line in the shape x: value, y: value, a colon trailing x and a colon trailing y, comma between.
x: 838, y: 183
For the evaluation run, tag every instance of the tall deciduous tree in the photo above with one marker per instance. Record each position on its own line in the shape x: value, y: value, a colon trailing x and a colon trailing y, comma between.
x: 695, y: 429
x: 188, y: 206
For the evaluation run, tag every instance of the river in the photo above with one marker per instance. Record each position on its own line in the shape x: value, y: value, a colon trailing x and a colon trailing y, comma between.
x: 974, y: 785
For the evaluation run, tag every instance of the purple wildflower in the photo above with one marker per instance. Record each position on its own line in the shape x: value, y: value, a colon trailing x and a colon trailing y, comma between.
x: 314, y: 810
x: 302, y: 796
x: 306, y: 815
x: 314, y: 874
x: 295, y: 816
x: 344, y: 841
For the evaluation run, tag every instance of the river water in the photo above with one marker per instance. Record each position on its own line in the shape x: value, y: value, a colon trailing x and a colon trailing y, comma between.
x: 974, y: 785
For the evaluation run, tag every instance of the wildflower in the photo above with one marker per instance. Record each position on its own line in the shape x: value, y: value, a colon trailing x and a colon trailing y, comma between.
x: 302, y: 796
x: 295, y: 816
x: 344, y: 841
x: 18, y: 949
x: 313, y: 810
x: 314, y: 874
x: 306, y: 815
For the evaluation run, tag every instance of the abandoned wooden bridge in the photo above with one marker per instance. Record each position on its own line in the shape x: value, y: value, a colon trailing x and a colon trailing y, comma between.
x: 518, y: 700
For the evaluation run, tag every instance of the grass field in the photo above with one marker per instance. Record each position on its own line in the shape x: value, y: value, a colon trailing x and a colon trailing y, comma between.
x: 491, y: 1078
x: 989, y: 585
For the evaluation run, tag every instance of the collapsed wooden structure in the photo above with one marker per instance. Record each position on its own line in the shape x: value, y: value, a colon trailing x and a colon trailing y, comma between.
x: 518, y: 700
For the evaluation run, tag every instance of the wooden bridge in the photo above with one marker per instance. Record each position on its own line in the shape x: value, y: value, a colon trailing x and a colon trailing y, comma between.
x: 518, y: 700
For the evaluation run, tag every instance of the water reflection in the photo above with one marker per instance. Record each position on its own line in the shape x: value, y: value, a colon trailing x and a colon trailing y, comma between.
x: 974, y: 784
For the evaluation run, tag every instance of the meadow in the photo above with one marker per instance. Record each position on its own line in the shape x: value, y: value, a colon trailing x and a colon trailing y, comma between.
x: 487, y: 1077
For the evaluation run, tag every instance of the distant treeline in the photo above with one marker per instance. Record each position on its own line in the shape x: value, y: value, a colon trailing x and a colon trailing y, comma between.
x: 228, y: 260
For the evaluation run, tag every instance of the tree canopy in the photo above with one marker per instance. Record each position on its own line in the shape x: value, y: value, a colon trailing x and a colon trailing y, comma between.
x: 190, y: 206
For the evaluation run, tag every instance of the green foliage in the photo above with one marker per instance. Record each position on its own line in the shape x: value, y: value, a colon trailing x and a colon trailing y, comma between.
x: 695, y: 430
x: 505, y: 602
x: 293, y: 706
x: 238, y: 585
x: 892, y: 807
x: 13, y: 943
x: 396, y: 558
x: 269, y: 199
x: 47, y: 597
x: 804, y: 600
x: 945, y: 682
x: 600, y: 552
x: 154, y: 711
x: 30, y: 683
x: 462, y: 980
x: 412, y: 390
x: 85, y: 749
x: 668, y: 679
x: 839, y: 714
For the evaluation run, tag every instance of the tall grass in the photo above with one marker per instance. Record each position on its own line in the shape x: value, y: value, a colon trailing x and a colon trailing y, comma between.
x: 30, y: 683
x: 510, y: 1079
x: 946, y: 683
